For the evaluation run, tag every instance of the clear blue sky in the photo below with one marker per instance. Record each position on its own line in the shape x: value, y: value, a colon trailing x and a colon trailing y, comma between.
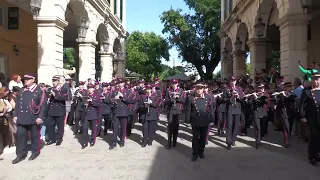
x: 144, y: 15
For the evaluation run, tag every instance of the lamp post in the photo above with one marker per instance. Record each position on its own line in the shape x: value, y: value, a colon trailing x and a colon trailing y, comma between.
x: 35, y: 7
x: 306, y: 3
x: 225, y: 53
x: 238, y: 44
x: 259, y: 27
x: 82, y: 29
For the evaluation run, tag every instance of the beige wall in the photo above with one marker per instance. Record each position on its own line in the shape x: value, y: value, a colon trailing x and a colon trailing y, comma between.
x: 26, y: 41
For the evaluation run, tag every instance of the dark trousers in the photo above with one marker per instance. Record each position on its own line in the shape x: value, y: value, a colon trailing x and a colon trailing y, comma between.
x: 99, y: 125
x: 173, y: 128
x: 79, y: 115
x: 22, y: 138
x: 285, y: 122
x: 119, y: 129
x: 314, y: 142
x: 107, y: 122
x: 199, y: 135
x: 85, y: 135
x: 149, y: 130
x: 233, y: 128
x: 71, y: 115
x: 129, y: 125
x: 52, y: 122
x: 260, y: 126
x: 221, y: 120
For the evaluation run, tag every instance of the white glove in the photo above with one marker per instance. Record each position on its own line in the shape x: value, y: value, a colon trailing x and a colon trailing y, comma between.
x: 149, y: 101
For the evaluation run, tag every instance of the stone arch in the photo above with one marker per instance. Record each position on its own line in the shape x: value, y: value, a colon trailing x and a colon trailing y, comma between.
x: 117, y: 47
x: 265, y: 10
x: 102, y: 36
x: 242, y: 34
x: 77, y: 13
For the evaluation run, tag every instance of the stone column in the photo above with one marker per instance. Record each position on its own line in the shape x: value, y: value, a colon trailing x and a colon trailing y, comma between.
x: 239, y: 63
x: 119, y: 67
x: 226, y: 68
x: 293, y: 44
x: 50, y: 47
x: 258, y: 55
x: 106, y: 66
x: 87, y: 60
x: 112, y: 6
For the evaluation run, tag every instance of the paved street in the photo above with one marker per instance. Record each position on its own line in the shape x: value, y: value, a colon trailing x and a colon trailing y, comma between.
x: 270, y: 162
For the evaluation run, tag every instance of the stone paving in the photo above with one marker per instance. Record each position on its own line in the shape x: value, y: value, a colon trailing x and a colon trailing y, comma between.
x: 70, y: 162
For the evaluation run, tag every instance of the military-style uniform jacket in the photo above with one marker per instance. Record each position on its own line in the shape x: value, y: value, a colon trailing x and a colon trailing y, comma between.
x: 57, y: 105
x: 92, y: 110
x: 200, y: 110
x: 78, y: 100
x: 151, y: 113
x: 233, y: 107
x: 67, y: 86
x: 310, y: 107
x: 131, y: 97
x: 107, y: 105
x: 30, y: 105
x: 175, y: 106
x: 121, y: 108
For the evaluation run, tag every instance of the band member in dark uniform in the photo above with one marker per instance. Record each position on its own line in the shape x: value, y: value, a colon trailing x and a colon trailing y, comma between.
x: 91, y: 115
x: 234, y: 112
x: 131, y: 98
x: 148, y: 115
x: 175, y: 99
x: 57, y: 111
x: 200, y: 114
x: 310, y: 109
x: 28, y: 115
x: 106, y: 107
x: 79, y: 107
x: 121, y: 114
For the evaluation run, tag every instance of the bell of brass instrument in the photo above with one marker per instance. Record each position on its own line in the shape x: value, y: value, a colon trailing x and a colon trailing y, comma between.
x: 147, y: 105
x: 174, y: 97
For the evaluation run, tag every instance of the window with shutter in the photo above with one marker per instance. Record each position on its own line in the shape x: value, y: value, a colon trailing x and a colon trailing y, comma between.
x: 115, y: 7
x: 121, y: 9
x: 230, y: 7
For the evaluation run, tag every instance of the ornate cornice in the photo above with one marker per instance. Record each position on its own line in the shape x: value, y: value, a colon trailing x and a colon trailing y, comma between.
x: 88, y: 43
x: 240, y: 6
x: 44, y: 21
x: 294, y: 19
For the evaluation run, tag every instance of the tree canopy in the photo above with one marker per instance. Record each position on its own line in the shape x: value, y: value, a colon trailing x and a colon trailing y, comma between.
x: 69, y: 55
x: 168, y: 71
x: 196, y: 35
x: 145, y: 52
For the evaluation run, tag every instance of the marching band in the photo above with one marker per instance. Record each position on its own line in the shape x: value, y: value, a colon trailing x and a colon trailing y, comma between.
x: 120, y: 104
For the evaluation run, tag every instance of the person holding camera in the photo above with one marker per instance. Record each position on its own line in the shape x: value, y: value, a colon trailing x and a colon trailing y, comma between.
x: 58, y: 94
x: 28, y: 115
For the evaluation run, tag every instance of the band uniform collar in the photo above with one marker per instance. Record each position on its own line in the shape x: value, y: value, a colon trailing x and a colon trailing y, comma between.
x: 58, y: 87
x: 31, y: 88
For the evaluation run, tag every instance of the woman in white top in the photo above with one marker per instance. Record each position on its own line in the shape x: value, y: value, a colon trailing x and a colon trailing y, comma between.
x: 5, y: 108
x: 15, y: 81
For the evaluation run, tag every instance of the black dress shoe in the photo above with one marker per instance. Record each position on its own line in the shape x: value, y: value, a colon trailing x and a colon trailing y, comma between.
x: 121, y: 144
x: 18, y: 159
x: 194, y: 158
x: 84, y: 146
x: 229, y: 146
x: 91, y: 144
x: 257, y: 146
x: 58, y: 142
x: 233, y: 144
x: 144, y: 144
x: 150, y: 143
x: 114, y: 145
x: 201, y: 156
x: 168, y: 146
x: 51, y: 142
x: 33, y: 157
x: 314, y: 161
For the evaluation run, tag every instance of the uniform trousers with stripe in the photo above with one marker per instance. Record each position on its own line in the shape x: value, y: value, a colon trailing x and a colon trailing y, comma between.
x: 23, y: 137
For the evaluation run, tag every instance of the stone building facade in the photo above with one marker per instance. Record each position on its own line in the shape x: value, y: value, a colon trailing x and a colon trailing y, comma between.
x: 91, y: 27
x: 262, y: 27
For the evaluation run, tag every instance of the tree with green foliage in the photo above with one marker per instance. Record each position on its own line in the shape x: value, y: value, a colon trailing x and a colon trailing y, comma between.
x: 168, y: 71
x: 145, y: 52
x: 196, y: 35
x: 69, y: 60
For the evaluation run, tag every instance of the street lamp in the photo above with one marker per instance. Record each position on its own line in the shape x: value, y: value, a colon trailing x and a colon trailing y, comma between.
x: 82, y: 29
x: 259, y: 27
x: 238, y: 44
x: 225, y: 53
x: 306, y: 3
x: 35, y: 6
